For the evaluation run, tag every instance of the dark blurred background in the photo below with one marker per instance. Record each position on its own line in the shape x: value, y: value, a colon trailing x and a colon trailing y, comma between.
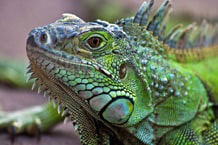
x: 18, y: 17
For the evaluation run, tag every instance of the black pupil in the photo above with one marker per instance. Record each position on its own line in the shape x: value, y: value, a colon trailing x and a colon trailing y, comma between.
x: 94, y: 41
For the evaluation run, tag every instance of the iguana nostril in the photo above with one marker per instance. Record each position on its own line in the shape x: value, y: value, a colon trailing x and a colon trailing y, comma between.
x: 47, y: 38
x: 43, y: 37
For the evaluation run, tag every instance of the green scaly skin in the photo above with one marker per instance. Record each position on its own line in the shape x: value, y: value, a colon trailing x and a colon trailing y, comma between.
x: 127, y: 83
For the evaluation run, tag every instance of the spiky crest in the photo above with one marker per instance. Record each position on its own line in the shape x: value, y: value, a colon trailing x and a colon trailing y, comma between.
x: 190, y: 43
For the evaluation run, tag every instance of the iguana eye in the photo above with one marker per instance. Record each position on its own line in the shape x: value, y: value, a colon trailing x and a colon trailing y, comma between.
x: 122, y: 71
x: 94, y: 41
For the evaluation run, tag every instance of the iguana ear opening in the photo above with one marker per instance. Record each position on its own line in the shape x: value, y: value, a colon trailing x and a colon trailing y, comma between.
x: 123, y: 71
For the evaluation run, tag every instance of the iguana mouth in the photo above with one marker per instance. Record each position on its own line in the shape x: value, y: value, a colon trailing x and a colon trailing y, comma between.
x: 54, y: 89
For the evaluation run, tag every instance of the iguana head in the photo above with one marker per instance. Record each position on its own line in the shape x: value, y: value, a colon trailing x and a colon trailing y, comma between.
x: 89, y: 62
x: 98, y: 67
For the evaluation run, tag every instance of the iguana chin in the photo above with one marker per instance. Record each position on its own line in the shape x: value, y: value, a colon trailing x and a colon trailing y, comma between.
x: 127, y: 83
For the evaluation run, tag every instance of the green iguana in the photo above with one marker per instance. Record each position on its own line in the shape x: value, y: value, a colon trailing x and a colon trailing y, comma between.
x: 127, y: 83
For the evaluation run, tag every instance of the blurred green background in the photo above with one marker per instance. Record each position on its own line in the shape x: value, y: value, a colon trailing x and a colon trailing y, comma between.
x: 18, y: 17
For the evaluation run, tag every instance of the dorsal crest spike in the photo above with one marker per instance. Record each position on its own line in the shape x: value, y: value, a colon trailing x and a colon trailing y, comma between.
x: 143, y: 13
x: 158, y: 19
x: 185, y: 37
x: 140, y: 12
x: 178, y: 41
x: 172, y: 32
x: 147, y: 13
